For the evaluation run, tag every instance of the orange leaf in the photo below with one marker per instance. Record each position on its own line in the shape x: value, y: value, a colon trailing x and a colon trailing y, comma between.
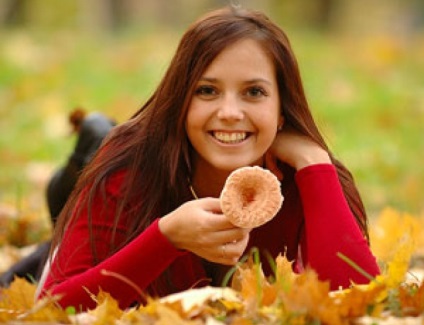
x: 309, y: 295
x: 253, y: 286
x: 411, y: 299
x: 356, y: 301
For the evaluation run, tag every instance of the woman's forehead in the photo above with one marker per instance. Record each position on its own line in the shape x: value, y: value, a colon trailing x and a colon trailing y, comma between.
x: 247, y: 57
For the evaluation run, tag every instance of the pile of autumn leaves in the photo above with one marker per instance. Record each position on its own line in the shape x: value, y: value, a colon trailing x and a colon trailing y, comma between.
x: 253, y: 299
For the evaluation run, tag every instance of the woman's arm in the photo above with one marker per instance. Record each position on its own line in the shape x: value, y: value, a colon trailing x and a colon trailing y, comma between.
x: 331, y: 229
x: 73, y: 275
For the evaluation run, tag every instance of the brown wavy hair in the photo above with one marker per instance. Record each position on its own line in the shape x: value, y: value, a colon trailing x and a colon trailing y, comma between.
x: 153, y: 146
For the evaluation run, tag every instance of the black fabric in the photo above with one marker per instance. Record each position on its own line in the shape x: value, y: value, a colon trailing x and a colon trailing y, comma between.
x: 93, y: 130
x: 29, y: 267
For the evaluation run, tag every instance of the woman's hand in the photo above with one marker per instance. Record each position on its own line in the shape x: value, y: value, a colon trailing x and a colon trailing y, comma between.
x: 200, y: 227
x: 296, y: 150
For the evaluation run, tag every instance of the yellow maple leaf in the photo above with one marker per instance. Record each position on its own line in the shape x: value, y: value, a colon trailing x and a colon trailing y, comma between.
x: 310, y: 296
x: 360, y: 300
x: 107, y: 310
x: 19, y: 296
x: 18, y: 303
x: 395, y: 271
x: 284, y: 275
x: 254, y: 288
x: 391, y: 228
x: 158, y: 313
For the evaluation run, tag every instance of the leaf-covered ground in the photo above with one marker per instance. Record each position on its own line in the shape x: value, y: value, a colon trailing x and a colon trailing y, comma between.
x: 394, y: 297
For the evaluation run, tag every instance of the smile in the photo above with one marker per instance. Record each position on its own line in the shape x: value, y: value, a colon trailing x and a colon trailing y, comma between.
x: 230, y: 137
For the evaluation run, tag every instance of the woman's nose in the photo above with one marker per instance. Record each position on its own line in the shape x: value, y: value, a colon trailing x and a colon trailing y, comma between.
x: 230, y: 108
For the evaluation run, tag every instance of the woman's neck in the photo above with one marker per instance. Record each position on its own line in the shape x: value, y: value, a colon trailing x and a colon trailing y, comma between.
x: 208, y: 182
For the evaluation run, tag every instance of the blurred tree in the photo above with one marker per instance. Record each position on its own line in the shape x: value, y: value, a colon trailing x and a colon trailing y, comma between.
x: 110, y: 15
x: 37, y: 13
x: 315, y: 14
x: 323, y: 13
x: 115, y: 14
x: 12, y: 12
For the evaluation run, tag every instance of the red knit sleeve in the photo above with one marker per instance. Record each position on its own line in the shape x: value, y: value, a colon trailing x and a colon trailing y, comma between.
x: 73, y: 275
x: 331, y: 228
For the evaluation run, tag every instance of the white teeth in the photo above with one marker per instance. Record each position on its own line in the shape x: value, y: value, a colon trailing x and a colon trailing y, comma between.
x: 233, y: 137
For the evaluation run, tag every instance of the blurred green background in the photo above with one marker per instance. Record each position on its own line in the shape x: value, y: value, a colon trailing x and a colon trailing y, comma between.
x: 362, y: 63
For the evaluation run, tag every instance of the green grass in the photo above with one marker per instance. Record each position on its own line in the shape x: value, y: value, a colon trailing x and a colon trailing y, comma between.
x: 366, y: 94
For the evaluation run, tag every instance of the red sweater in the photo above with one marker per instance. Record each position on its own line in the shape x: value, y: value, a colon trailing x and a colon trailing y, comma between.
x: 314, y: 224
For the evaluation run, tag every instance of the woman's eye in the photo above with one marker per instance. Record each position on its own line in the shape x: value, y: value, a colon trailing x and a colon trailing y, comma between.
x: 206, y: 91
x: 256, y: 92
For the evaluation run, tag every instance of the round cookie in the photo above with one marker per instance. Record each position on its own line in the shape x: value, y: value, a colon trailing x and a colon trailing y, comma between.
x: 251, y: 197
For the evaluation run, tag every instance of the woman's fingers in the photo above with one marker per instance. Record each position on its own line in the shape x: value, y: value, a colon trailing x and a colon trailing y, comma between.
x: 200, y: 227
x: 297, y: 150
x: 217, y: 239
x: 229, y: 253
x: 271, y: 164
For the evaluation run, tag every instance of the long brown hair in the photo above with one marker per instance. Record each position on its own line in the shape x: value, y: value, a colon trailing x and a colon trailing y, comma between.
x: 153, y: 147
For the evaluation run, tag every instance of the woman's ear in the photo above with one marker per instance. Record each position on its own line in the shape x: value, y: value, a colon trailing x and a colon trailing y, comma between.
x: 280, y: 122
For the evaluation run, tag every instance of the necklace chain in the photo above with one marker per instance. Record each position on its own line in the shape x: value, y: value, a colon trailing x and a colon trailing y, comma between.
x: 193, y: 192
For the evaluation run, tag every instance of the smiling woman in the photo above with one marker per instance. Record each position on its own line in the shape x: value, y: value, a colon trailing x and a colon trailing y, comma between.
x: 232, y: 97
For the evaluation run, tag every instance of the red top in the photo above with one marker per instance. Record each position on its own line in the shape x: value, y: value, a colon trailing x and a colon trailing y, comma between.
x: 313, y: 225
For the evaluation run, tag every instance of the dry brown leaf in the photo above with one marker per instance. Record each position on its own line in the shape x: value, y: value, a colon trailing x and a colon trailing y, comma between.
x: 166, y: 316
x: 194, y: 298
x: 241, y: 321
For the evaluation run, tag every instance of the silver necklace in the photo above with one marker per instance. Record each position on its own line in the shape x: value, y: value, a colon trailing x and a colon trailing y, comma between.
x: 193, y: 192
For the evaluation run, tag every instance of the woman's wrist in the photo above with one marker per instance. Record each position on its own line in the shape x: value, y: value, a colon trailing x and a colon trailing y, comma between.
x: 165, y: 228
x: 297, y: 150
x: 313, y: 158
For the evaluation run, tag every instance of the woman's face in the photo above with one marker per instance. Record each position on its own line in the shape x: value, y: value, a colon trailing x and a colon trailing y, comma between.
x: 235, y: 111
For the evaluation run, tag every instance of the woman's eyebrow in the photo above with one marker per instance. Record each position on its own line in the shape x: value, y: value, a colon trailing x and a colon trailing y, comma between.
x: 209, y: 79
x: 250, y: 81
x: 256, y: 80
